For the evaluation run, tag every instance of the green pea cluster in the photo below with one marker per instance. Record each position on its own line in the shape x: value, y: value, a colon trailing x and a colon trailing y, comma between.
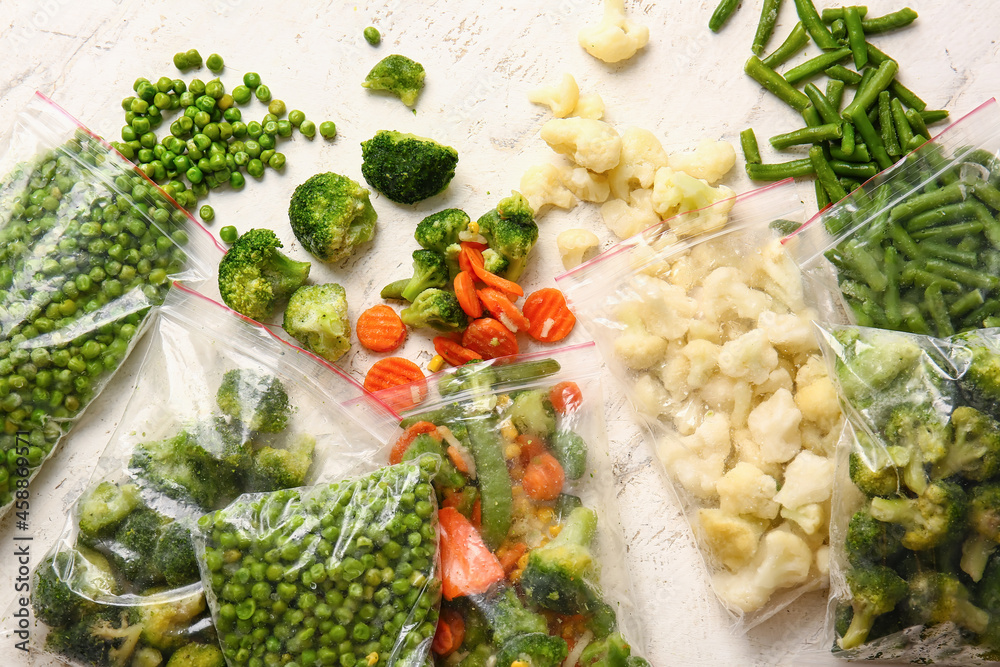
x: 86, y: 247
x: 342, y: 574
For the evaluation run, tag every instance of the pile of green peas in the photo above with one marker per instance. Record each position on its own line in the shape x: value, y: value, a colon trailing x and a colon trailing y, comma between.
x: 86, y: 247
x: 340, y: 574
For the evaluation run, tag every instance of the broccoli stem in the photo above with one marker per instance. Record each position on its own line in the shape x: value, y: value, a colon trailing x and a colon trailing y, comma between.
x: 976, y: 552
x: 861, y: 624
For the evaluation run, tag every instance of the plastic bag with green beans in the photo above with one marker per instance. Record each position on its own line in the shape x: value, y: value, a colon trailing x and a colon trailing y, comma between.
x: 221, y: 408
x: 338, y: 574
x: 532, y: 565
x: 917, y: 248
x: 915, y: 520
x: 88, y: 247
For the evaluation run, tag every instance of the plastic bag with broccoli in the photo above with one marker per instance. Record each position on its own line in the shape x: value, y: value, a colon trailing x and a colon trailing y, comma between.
x: 915, y: 530
x: 221, y: 407
x: 704, y: 320
x: 531, y: 541
x: 88, y: 248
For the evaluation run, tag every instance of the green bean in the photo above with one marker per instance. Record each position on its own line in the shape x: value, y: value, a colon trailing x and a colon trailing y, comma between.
x: 935, y: 304
x: 917, y: 123
x: 721, y: 14
x: 875, y: 57
x: 987, y: 193
x: 848, y: 144
x: 780, y: 171
x: 494, y: 480
x: 814, y: 25
x: 966, y: 303
x: 841, y: 73
x: 914, y: 319
x: 816, y: 65
x: 811, y: 117
x: 775, y: 84
x: 807, y: 135
x: 831, y: 14
x: 913, y: 275
x: 934, y: 116
x: 962, y: 274
x: 865, y: 264
x: 860, y: 153
x: 822, y: 198
x: 858, y: 170
x: 959, y: 230
x: 748, y: 142
x: 867, y: 95
x: 795, y: 42
x: 765, y: 27
x: 949, y: 253
x: 872, y: 140
x: 891, y: 303
x: 907, y: 96
x: 897, y: 19
x: 904, y: 242
x: 825, y: 175
x: 856, y: 36
x: 978, y: 316
x: 926, y: 201
x: 903, y: 132
x: 826, y: 110
x: 888, y: 128
x: 941, y: 215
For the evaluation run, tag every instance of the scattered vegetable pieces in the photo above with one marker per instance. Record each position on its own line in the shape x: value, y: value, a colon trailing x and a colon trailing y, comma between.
x: 379, y: 329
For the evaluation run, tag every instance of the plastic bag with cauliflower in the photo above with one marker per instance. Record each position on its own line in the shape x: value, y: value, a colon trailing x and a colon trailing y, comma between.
x: 710, y: 333
x: 220, y: 407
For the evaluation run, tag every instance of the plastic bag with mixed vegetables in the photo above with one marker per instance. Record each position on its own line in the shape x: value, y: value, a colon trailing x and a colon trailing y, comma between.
x: 915, y: 572
x: 221, y: 408
x: 531, y: 542
x: 87, y: 247
x: 704, y: 320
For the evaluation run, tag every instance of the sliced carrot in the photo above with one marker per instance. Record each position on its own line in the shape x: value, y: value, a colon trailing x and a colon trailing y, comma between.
x: 409, y: 435
x: 399, y: 381
x: 450, y: 633
x: 478, y: 246
x: 530, y: 447
x: 465, y: 290
x: 380, y: 330
x: 543, y: 478
x: 453, y: 353
x: 489, y: 338
x: 493, y: 280
x: 511, y: 556
x: 501, y: 308
x: 566, y: 397
x: 456, y: 457
x: 477, y: 512
x: 550, y: 317
x: 468, y: 567
x: 469, y: 257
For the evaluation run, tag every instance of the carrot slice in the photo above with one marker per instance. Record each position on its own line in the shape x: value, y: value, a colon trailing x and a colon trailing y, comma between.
x: 465, y: 290
x: 566, y: 397
x: 543, y: 478
x: 489, y: 338
x: 409, y: 435
x: 380, y: 330
x: 502, y: 309
x: 456, y: 458
x: 450, y: 633
x: 469, y: 257
x: 493, y: 280
x: 402, y: 376
x: 512, y: 555
x: 468, y: 567
x: 530, y: 447
x: 453, y: 353
x: 550, y: 317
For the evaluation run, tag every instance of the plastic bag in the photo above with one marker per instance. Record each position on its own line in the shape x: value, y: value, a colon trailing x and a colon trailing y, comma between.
x: 87, y: 246
x: 359, y: 556
x: 917, y: 248
x: 221, y: 407
x: 915, y: 573
x: 713, y: 342
x: 531, y: 543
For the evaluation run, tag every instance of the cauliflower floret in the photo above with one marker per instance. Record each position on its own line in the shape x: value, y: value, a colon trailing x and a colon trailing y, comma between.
x: 674, y: 375
x: 779, y: 378
x: 650, y: 396
x: 675, y: 192
x: 731, y: 539
x: 642, y: 154
x: 542, y: 186
x: 775, y: 425
x: 574, y: 244
x: 810, y: 370
x: 710, y: 161
x: 823, y: 561
x: 590, y: 106
x: 561, y: 98
x: 808, y: 480
x: 749, y: 357
x: 818, y: 441
x: 590, y: 143
x: 586, y: 185
x: 809, y: 518
x: 748, y: 450
x: 746, y: 489
x: 819, y: 403
x: 615, y: 38
x: 725, y: 291
x: 718, y: 393
x: 689, y: 417
x: 635, y: 346
x: 628, y: 219
x: 705, y: 330
x: 790, y: 334
x: 777, y: 274
x: 704, y: 359
x: 667, y: 309
x: 698, y: 460
x: 742, y: 402
x: 782, y: 560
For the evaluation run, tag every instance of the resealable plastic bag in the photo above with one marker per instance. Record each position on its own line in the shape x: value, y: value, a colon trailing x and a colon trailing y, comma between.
x: 531, y: 539
x: 712, y: 338
x: 360, y: 555
x: 221, y: 407
x: 915, y: 529
x: 917, y: 248
x: 88, y: 246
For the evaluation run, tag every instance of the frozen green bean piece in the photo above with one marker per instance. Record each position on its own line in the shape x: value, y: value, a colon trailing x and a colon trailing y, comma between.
x: 814, y: 25
x: 776, y: 84
x: 795, y: 42
x: 748, y: 142
x: 768, y: 19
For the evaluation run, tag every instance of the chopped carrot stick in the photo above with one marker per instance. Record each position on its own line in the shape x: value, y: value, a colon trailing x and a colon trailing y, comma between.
x: 489, y: 338
x: 456, y: 457
x: 468, y: 567
x: 453, y: 353
x: 469, y: 257
x: 543, y: 478
x: 409, y: 435
x: 380, y: 330
x: 465, y: 290
x: 496, y: 281
x: 501, y: 308
x: 450, y: 633
x: 550, y: 317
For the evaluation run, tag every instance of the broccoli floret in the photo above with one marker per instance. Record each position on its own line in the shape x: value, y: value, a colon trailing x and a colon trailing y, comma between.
x: 881, y: 482
x: 133, y: 544
x: 197, y: 655
x: 174, y: 555
x: 167, y: 625
x: 101, y: 510
x: 507, y: 616
x: 448, y: 476
x: 107, y: 639
x: 869, y: 540
x: 225, y: 439
x: 394, y: 290
x: 538, y: 649
x: 919, y: 426
x: 437, y: 309
x: 930, y: 519
x: 316, y: 317
x: 571, y: 451
x: 429, y: 271
x: 975, y: 451
x: 407, y: 168
x: 288, y: 468
x: 398, y: 75
x: 258, y: 400
x: 532, y: 413
x: 254, y: 276
x: 146, y: 656
x: 869, y: 366
x: 612, y: 651
x: 511, y: 232
x: 331, y: 216
x: 875, y: 590
x: 984, y: 520
x: 935, y: 597
x: 980, y: 384
x: 439, y: 230
x: 494, y: 262
x: 62, y: 584
x: 556, y: 576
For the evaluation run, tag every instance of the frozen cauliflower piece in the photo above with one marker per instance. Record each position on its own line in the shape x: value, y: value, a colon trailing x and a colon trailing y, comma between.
x: 586, y: 185
x: 666, y: 309
x: 776, y: 274
x: 703, y: 357
x: 790, y: 334
x: 809, y: 518
x: 823, y: 561
x: 650, y: 396
x: 731, y: 539
x: 590, y: 105
x: 698, y: 460
x: 718, y: 393
x: 808, y: 480
x: 748, y: 450
x: 561, y: 99
x: 783, y: 559
x: 779, y: 378
x: 725, y: 291
x: 626, y: 219
x: 676, y: 192
x: 638, y: 349
x: 819, y: 403
x: 590, y: 143
x: 774, y: 423
x: 812, y: 369
x: 746, y: 489
x: 542, y: 186
x: 574, y: 244
x: 615, y: 38
x: 642, y: 155
x: 710, y: 161
x: 749, y: 357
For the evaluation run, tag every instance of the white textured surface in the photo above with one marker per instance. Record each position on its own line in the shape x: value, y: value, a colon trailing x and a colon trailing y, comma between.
x: 481, y: 59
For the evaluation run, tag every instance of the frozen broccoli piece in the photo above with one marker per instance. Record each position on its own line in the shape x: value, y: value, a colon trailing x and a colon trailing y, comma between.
x: 254, y: 276
x: 875, y: 590
x: 538, y: 649
x: 439, y: 230
x: 398, y: 75
x: 316, y: 317
x: 975, y: 451
x: 429, y: 270
x: 436, y: 309
x: 288, y: 468
x: 511, y: 232
x: 197, y: 655
x: 407, y: 168
x: 101, y: 510
x: 174, y: 556
x: 256, y: 399
x: 929, y: 520
x: 532, y: 413
x: 936, y: 597
x: 331, y: 216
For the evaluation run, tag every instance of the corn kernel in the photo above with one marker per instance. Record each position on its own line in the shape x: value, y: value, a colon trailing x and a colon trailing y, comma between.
x: 508, y: 431
x: 372, y: 659
x: 555, y: 530
x: 519, y: 663
x: 512, y: 451
x: 474, y: 227
x: 546, y: 514
x: 436, y: 364
x: 503, y: 401
x: 522, y: 562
